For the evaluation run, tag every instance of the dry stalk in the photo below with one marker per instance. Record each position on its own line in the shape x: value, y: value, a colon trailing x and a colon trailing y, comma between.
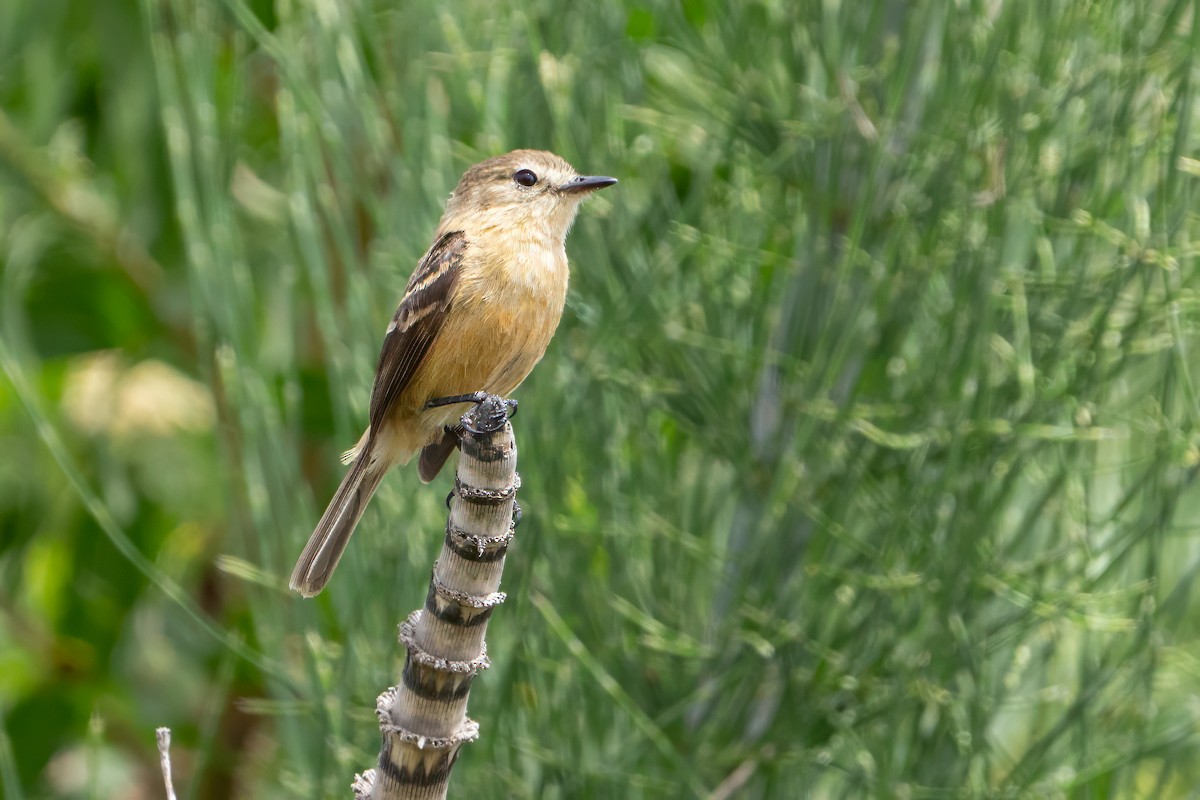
x: 424, y: 719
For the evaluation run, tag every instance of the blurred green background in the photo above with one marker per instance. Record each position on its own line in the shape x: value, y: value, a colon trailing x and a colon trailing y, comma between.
x: 863, y: 464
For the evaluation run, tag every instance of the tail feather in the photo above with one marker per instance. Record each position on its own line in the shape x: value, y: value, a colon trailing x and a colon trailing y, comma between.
x: 329, y: 539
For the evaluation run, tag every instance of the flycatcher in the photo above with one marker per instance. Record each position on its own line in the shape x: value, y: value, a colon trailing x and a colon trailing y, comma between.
x: 477, y: 315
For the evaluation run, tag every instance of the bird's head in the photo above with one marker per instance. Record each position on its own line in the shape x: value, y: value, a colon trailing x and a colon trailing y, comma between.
x: 530, y: 191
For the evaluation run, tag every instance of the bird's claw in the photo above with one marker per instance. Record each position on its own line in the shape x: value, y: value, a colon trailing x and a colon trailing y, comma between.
x: 488, y: 416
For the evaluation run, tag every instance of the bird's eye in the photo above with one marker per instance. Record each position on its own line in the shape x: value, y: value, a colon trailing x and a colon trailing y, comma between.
x: 525, y: 177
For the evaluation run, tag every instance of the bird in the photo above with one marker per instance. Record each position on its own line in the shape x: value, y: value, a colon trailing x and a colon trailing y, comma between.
x: 476, y: 316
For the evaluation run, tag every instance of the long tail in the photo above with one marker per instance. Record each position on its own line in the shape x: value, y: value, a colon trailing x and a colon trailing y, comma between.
x: 328, y: 541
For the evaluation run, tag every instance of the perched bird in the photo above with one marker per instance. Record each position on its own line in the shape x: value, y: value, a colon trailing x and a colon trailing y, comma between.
x: 477, y: 315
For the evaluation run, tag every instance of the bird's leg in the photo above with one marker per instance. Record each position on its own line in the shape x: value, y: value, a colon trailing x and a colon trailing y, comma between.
x: 489, y: 415
x: 454, y: 399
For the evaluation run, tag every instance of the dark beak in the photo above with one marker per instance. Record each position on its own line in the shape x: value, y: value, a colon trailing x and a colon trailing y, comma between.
x: 587, y: 183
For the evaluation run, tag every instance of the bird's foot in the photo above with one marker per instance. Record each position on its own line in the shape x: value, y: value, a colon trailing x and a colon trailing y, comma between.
x: 489, y: 414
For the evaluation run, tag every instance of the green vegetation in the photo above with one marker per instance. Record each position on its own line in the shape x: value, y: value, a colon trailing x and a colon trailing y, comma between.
x: 863, y: 465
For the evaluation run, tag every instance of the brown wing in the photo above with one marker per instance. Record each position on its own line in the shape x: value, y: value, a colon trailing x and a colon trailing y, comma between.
x: 433, y: 456
x: 416, y: 322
